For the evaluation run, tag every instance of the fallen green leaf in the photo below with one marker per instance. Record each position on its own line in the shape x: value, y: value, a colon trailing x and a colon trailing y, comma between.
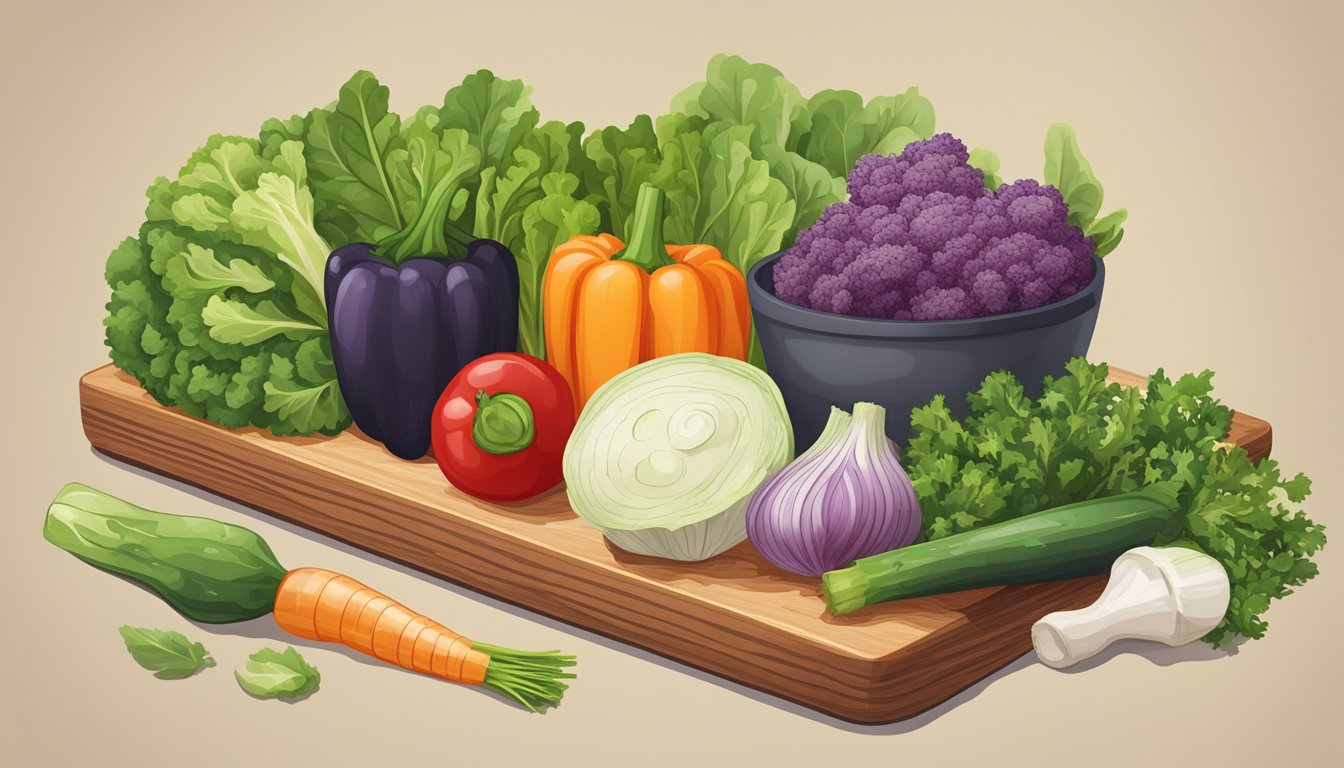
x: 169, y: 655
x: 270, y: 673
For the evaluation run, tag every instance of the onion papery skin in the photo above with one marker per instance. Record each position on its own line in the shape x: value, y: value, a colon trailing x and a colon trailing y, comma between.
x: 666, y: 455
x: 844, y: 498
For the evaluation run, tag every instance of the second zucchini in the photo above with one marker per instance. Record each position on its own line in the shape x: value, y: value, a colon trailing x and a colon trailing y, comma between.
x: 1062, y: 543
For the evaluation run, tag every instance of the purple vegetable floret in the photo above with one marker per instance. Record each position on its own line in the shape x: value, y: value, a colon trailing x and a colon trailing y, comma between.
x: 921, y: 238
x: 943, y: 304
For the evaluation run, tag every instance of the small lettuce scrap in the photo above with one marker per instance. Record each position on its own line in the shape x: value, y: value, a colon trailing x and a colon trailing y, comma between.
x: 271, y: 674
x: 1086, y: 438
x: 168, y: 654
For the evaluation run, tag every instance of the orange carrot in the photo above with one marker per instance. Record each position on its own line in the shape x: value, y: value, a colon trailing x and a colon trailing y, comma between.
x: 318, y: 604
x: 217, y: 573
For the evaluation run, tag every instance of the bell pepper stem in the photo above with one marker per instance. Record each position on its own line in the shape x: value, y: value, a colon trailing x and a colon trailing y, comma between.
x: 503, y: 423
x: 429, y: 233
x: 646, y: 247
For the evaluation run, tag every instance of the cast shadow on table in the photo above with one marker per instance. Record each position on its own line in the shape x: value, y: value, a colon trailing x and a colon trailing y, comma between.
x: 265, y: 628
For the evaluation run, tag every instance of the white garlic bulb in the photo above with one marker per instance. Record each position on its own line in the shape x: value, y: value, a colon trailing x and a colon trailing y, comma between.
x: 1171, y: 595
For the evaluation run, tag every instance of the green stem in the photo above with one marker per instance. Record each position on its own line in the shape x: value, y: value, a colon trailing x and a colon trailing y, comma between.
x: 646, y: 246
x: 425, y: 234
x: 503, y: 423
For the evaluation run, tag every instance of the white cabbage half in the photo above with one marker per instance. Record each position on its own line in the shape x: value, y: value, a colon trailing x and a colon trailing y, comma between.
x: 666, y: 455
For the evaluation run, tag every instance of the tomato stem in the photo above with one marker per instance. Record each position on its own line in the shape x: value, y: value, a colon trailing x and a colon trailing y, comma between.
x: 503, y: 423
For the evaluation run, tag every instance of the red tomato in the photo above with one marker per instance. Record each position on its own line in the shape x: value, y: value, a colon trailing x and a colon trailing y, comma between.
x: 500, y: 427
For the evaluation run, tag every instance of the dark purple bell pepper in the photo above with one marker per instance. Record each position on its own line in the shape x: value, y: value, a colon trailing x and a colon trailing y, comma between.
x: 399, y: 333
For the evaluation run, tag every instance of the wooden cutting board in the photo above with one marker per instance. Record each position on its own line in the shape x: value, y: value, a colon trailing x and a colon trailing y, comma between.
x: 734, y: 615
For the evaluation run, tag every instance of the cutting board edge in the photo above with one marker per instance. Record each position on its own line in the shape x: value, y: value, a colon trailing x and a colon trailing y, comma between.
x: 92, y: 387
x: 873, y: 684
x: 860, y: 715
x: 848, y: 692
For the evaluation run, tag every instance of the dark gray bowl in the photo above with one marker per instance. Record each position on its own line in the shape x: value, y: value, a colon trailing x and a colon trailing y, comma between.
x: 820, y: 359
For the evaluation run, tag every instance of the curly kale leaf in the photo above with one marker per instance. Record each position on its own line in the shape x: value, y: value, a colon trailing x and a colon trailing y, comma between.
x: 224, y: 280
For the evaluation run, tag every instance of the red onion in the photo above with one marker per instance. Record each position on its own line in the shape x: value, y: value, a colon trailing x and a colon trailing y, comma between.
x: 845, y: 498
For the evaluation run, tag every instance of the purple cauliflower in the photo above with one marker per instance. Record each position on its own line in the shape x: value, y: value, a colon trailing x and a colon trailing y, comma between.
x: 921, y: 238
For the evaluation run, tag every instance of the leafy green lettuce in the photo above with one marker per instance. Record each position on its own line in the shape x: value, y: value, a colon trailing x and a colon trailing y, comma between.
x: 988, y: 163
x: 620, y: 160
x: 217, y: 304
x: 1069, y: 171
x: 809, y: 144
x: 480, y: 165
x: 349, y: 145
x: 718, y: 192
x: 843, y: 128
x: 747, y: 161
x: 1085, y: 438
x: 531, y: 202
x: 218, y: 300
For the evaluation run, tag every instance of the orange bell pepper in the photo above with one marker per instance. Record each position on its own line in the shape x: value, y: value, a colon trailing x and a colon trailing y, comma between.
x: 607, y: 307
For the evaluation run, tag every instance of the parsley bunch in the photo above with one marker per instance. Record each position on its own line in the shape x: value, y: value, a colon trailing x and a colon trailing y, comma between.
x: 1086, y: 438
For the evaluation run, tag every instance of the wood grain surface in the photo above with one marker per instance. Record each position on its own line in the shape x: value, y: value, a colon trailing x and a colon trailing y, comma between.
x: 734, y: 615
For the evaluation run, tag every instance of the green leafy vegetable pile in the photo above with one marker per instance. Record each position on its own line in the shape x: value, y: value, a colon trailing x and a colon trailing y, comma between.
x: 746, y: 160
x: 1086, y: 438
x: 218, y: 307
x: 217, y: 304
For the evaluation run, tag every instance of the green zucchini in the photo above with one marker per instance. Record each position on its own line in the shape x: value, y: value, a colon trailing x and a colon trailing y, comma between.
x: 209, y: 571
x: 1061, y: 543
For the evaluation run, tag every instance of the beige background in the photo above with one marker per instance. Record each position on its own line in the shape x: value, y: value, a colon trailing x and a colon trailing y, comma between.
x: 1217, y: 127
